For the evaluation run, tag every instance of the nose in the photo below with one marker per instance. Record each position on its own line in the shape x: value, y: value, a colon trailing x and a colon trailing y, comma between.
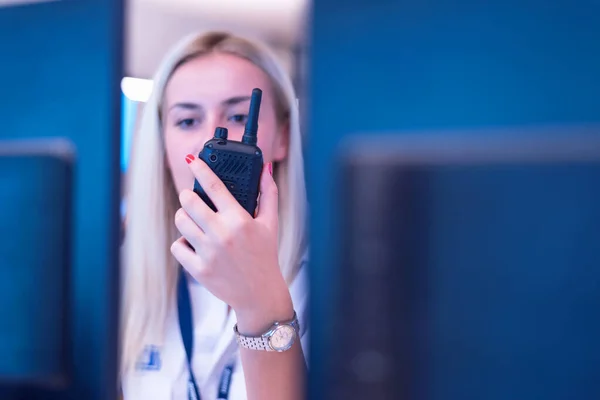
x: 212, y: 123
x: 207, y: 133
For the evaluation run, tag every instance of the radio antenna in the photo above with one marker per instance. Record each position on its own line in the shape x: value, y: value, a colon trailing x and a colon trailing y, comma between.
x: 251, y: 129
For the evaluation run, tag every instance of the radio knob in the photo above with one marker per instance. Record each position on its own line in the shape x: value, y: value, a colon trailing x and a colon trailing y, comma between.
x: 221, y: 133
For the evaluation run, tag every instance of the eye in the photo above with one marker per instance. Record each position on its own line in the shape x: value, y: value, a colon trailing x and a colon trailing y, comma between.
x: 238, y: 118
x: 187, y: 123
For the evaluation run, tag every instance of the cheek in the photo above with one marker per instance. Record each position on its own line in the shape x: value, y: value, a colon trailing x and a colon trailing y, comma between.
x: 265, y: 146
x: 175, y: 159
x: 267, y: 141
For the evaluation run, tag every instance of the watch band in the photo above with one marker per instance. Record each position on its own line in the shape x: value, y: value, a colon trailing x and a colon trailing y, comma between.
x: 262, y: 342
x: 255, y: 343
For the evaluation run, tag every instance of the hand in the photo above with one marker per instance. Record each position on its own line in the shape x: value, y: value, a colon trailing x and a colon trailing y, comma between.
x: 234, y: 255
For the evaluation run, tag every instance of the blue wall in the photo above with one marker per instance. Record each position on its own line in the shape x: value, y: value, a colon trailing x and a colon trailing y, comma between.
x: 59, y: 76
x: 397, y: 65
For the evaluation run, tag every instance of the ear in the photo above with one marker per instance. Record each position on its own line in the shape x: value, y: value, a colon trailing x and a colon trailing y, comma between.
x: 282, y: 142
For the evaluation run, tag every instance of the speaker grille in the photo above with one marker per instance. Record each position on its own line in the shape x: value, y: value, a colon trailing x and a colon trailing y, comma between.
x: 234, y: 170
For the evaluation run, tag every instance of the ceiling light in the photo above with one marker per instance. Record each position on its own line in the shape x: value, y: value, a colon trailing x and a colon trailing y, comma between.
x: 136, y: 89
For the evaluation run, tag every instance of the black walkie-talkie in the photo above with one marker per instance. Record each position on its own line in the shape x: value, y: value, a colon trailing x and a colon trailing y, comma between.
x: 238, y: 164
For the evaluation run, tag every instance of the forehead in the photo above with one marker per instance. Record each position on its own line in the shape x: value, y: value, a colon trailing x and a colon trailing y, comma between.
x: 213, y: 78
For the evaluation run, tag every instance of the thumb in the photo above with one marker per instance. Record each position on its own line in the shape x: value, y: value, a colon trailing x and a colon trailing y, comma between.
x: 268, y: 203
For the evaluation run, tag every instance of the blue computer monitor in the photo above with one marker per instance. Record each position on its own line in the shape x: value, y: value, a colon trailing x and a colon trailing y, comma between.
x: 468, y: 267
x: 36, y: 211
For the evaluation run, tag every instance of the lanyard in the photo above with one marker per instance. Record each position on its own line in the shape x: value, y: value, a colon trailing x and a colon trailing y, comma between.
x: 184, y: 309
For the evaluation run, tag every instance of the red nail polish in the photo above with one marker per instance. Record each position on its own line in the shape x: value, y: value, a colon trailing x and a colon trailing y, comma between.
x: 189, y: 158
x: 271, y: 168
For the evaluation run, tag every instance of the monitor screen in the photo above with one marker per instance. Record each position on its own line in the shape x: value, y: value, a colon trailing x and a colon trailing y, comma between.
x: 468, y: 268
x: 35, y: 262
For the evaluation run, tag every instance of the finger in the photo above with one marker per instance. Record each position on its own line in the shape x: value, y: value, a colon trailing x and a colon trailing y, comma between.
x: 189, y: 229
x: 197, y: 210
x: 213, y: 186
x: 183, y: 253
x: 269, y: 198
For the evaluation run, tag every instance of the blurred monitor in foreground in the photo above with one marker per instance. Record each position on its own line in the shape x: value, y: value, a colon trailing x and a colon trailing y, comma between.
x: 36, y: 178
x: 469, y: 268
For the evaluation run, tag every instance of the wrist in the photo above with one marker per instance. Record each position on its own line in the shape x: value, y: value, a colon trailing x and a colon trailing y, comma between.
x: 254, y: 321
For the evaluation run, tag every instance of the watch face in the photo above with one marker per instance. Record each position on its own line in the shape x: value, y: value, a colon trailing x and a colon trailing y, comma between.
x: 283, y: 338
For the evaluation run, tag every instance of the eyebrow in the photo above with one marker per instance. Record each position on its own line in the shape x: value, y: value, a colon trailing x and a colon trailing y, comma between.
x: 235, y: 100
x: 187, y: 106
x: 229, y: 102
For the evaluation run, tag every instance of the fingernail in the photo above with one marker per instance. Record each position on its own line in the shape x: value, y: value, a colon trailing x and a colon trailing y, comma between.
x: 271, y: 168
x: 189, y: 158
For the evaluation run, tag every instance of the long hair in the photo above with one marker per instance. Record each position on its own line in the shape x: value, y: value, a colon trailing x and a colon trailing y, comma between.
x: 149, y: 272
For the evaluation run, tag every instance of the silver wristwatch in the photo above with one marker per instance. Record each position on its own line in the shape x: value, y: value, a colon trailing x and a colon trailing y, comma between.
x: 280, y: 337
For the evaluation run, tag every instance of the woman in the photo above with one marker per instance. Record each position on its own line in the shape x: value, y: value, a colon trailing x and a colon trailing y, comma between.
x: 247, y: 274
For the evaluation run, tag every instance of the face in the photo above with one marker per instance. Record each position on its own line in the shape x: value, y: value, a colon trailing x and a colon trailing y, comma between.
x: 214, y: 91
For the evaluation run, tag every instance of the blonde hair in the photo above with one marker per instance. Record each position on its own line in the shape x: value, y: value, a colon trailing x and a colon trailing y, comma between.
x: 149, y: 271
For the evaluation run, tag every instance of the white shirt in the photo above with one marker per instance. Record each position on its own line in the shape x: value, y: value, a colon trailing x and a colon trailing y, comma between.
x: 166, y: 374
